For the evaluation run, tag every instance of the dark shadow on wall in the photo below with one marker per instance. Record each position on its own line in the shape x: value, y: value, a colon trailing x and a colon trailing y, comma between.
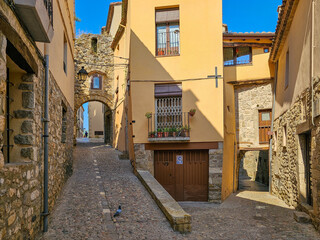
x: 145, y: 66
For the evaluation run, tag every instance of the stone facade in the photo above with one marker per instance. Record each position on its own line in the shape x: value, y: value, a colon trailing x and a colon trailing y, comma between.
x: 21, y: 174
x: 289, y: 164
x: 93, y: 52
x: 249, y: 100
x: 215, y: 174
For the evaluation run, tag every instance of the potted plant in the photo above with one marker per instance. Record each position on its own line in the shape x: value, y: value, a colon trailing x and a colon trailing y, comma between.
x: 192, y: 112
x: 186, y: 131
x: 148, y: 115
x: 152, y: 134
x: 174, y: 132
x: 159, y: 133
x: 166, y: 132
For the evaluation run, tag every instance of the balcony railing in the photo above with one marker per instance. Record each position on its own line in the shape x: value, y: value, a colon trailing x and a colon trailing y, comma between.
x: 169, y: 127
x: 168, y: 43
x: 37, y: 17
x: 48, y: 5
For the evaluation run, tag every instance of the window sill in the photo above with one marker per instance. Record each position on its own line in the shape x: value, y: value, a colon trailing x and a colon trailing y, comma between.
x: 169, y: 139
x: 162, y: 56
x: 239, y: 65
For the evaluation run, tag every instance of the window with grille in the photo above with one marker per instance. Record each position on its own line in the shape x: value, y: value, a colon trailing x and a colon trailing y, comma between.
x: 168, y: 106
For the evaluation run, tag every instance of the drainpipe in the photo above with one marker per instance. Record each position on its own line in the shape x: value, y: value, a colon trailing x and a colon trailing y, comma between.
x: 312, y: 61
x: 272, y: 124
x: 45, y: 140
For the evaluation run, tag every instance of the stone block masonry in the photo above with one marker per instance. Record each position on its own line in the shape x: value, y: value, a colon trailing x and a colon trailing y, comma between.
x: 290, y: 162
x: 96, y: 60
x: 21, y: 180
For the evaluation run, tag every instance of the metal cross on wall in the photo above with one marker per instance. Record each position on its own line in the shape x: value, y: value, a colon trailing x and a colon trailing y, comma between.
x: 216, y: 76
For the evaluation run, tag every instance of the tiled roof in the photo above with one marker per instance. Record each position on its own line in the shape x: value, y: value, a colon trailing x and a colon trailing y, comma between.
x: 287, y: 11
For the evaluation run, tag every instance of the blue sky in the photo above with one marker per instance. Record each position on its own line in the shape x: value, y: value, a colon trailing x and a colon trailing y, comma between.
x: 240, y: 15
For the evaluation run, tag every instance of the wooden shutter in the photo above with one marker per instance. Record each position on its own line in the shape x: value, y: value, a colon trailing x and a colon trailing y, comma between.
x: 167, y: 15
x: 168, y: 90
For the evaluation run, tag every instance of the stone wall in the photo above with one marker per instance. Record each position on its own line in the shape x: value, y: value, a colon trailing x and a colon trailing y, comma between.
x: 254, y: 165
x: 288, y: 162
x: 249, y: 99
x: 143, y: 158
x: 215, y: 174
x: 97, y: 59
x: 21, y: 180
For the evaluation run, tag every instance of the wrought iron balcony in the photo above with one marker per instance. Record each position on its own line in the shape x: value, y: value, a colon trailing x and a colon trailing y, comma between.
x: 37, y: 16
x: 168, y: 43
x: 167, y: 127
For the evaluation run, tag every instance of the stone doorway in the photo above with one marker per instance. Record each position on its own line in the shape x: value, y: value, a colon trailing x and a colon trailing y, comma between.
x: 254, y: 171
x: 305, y: 177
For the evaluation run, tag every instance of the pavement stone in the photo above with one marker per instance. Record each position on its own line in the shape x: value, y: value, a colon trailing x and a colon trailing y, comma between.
x: 86, y: 206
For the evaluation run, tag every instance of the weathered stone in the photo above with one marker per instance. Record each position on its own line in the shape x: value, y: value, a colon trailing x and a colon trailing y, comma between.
x: 28, y: 78
x: 24, y: 86
x: 34, y: 195
x: 27, y: 127
x: 2, y: 123
x: 24, y: 139
x: 301, y: 217
x: 28, y: 100
x: 27, y: 153
x: 11, y: 219
x: 23, y: 114
x: 178, y: 218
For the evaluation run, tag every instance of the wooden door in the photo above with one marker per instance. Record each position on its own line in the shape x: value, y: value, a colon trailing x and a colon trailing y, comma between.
x: 164, y: 167
x: 264, y: 126
x: 196, y: 175
x: 184, y: 174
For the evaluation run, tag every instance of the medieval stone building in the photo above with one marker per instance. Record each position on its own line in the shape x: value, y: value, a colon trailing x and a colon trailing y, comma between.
x: 94, y: 55
x: 36, y: 59
x: 295, y: 165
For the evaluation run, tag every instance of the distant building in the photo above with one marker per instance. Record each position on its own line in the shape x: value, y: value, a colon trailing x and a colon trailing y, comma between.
x: 248, y: 108
x: 165, y: 55
x: 96, y: 112
x: 80, y: 129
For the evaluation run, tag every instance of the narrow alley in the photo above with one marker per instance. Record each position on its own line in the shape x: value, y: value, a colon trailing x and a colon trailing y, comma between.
x: 101, y: 182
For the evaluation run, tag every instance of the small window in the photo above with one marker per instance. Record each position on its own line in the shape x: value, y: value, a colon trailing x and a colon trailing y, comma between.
x: 94, y: 45
x: 266, y: 50
x: 275, y: 140
x: 96, y: 82
x: 287, y: 70
x: 284, y: 136
x: 65, y: 54
x: 237, y: 55
x: 168, y: 32
x: 64, y: 124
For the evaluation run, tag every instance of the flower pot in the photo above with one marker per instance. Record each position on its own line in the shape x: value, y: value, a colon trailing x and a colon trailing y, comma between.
x: 159, y: 134
x: 191, y: 114
x: 174, y: 134
x: 152, y: 135
x: 166, y: 134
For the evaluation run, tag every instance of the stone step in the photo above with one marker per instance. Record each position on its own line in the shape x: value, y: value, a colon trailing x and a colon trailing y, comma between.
x: 301, y: 217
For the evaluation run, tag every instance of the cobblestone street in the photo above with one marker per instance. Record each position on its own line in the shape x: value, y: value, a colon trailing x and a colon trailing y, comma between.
x: 101, y: 182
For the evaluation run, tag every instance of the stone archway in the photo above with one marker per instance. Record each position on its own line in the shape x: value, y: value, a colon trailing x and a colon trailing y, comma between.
x: 93, y: 52
x: 108, y: 118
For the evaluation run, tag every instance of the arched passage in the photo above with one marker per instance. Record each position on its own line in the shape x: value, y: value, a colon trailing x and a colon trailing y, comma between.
x: 107, y: 120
